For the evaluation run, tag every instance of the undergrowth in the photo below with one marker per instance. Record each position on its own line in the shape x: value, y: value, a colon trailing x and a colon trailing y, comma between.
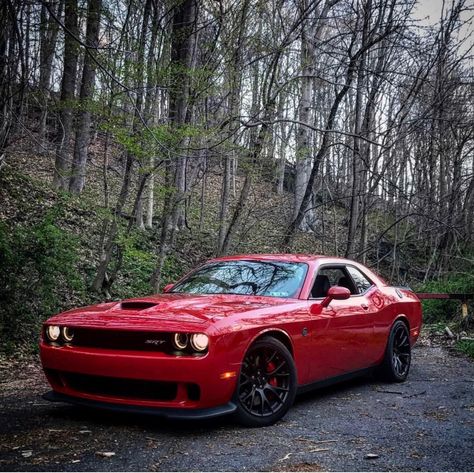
x: 38, y: 266
x: 466, y: 346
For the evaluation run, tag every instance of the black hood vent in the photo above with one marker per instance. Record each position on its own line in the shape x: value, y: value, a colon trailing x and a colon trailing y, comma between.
x: 137, y: 305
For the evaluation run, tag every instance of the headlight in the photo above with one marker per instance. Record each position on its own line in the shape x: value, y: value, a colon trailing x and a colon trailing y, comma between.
x: 68, y: 334
x: 180, y: 340
x: 53, y: 332
x: 199, y: 341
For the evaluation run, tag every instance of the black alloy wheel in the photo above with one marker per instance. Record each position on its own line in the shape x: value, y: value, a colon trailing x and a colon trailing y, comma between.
x: 397, y: 360
x: 267, y: 383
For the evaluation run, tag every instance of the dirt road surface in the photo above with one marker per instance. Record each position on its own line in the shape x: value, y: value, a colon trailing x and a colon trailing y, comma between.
x: 424, y: 424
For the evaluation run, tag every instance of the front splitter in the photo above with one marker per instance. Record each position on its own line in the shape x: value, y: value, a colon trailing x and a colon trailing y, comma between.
x: 169, y: 413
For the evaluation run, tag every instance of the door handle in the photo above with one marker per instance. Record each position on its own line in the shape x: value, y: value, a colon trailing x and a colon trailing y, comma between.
x: 365, y: 306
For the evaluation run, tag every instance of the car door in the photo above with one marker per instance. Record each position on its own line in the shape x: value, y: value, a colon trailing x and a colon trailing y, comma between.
x: 342, y: 332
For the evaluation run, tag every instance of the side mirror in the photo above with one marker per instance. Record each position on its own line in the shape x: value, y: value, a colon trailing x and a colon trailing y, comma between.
x: 337, y: 293
x: 168, y: 287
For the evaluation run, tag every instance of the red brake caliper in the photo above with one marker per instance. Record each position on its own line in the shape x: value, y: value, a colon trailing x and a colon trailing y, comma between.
x: 270, y: 367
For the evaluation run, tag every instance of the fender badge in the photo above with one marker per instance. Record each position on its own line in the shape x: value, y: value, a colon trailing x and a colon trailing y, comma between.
x: 305, y: 332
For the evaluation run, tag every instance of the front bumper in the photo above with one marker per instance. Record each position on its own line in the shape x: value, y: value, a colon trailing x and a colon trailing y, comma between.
x: 168, y: 413
x: 118, y: 369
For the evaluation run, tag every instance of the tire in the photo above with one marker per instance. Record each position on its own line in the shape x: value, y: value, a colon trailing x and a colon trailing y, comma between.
x: 266, y: 388
x: 397, y: 359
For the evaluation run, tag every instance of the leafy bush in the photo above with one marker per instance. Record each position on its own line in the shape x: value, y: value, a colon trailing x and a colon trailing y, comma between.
x: 139, y: 261
x: 466, y: 346
x: 38, y: 267
x: 135, y: 275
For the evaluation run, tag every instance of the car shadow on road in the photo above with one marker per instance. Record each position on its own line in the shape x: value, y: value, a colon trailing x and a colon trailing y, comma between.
x: 177, y: 427
x: 336, y: 389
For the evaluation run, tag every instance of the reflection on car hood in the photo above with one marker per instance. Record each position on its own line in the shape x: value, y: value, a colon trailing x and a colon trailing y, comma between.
x: 170, y: 309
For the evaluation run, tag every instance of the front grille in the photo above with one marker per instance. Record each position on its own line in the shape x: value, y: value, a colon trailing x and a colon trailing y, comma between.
x: 123, y: 340
x: 118, y: 387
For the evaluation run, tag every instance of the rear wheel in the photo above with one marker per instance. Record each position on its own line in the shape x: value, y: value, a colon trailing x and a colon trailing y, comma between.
x: 267, y: 383
x: 396, y: 364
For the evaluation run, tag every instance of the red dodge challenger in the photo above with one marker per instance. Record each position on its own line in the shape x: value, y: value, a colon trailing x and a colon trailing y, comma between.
x: 241, y: 335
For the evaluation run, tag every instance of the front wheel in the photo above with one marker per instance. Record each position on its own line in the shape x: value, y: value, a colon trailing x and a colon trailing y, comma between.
x: 397, y: 359
x: 267, y: 384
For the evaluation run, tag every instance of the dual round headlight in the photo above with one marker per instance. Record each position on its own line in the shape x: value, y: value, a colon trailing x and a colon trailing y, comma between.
x: 197, y: 341
x: 67, y: 334
x: 180, y: 340
x: 54, y: 333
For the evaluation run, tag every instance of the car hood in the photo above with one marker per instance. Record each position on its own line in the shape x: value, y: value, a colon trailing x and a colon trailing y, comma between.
x: 164, y: 311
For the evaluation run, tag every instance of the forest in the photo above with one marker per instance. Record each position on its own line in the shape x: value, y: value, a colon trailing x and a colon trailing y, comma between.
x: 141, y: 137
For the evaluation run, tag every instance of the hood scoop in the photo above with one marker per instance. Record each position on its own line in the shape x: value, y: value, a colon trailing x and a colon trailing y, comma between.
x: 137, y: 305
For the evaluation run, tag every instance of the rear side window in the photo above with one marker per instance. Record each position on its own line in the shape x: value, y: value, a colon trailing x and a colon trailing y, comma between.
x: 361, y: 282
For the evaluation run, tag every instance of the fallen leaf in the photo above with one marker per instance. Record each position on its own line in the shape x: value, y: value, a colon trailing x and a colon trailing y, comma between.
x: 26, y: 453
x: 105, y: 454
x: 371, y: 456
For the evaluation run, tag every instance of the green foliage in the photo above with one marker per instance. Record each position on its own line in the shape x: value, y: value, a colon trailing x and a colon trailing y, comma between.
x: 466, y: 346
x: 172, y: 270
x: 138, y: 265
x: 38, y: 266
x: 445, y: 310
x: 152, y: 140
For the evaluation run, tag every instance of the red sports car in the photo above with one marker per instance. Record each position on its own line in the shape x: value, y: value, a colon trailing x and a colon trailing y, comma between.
x: 240, y: 334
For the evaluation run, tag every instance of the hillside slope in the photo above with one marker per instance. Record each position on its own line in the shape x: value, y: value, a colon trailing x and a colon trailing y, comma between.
x: 50, y: 241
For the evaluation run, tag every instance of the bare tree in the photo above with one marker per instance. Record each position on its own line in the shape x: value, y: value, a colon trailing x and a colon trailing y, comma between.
x: 78, y: 169
x: 68, y: 86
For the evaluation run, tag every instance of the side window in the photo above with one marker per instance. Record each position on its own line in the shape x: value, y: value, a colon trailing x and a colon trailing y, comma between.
x: 328, y: 277
x: 361, y: 282
x: 333, y: 274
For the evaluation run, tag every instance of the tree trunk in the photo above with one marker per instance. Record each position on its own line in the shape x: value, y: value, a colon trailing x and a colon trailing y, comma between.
x: 68, y: 86
x: 304, y: 149
x: 48, y: 35
x: 182, y: 46
x: 357, y: 163
x: 234, y: 79
x: 78, y: 169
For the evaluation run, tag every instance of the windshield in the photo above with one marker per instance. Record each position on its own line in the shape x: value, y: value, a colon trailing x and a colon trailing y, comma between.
x: 257, y: 278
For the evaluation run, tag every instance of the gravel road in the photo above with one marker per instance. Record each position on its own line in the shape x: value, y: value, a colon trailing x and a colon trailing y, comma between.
x: 424, y: 424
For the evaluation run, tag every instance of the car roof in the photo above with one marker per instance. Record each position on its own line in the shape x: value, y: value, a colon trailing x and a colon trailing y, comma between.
x: 290, y: 257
